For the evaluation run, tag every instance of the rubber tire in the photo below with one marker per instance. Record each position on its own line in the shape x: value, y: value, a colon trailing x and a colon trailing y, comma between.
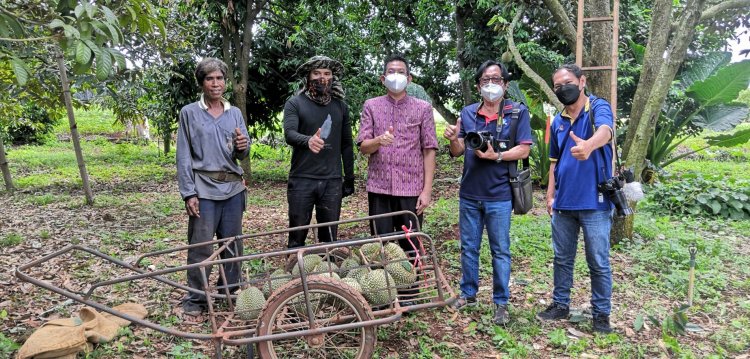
x: 349, y: 295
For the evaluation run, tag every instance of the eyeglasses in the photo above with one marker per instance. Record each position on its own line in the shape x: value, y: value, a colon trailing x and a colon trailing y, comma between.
x: 495, y: 80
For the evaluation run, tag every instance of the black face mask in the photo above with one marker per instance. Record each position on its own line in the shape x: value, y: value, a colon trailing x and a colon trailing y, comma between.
x: 568, y: 94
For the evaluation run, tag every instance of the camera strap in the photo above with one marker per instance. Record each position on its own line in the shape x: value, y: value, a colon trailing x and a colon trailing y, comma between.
x: 514, y: 115
x: 601, y: 149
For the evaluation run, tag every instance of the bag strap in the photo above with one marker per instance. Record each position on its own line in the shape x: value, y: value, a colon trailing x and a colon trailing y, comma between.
x: 514, y: 119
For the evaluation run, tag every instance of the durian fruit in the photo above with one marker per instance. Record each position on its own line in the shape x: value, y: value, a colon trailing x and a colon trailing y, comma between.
x: 316, y: 302
x: 309, y: 262
x: 349, y: 264
x: 393, y: 252
x: 357, y: 273
x: 375, y: 287
x: 353, y: 283
x: 402, y: 272
x: 249, y: 303
x: 278, y: 278
x: 371, y: 251
x: 325, y: 267
x: 507, y: 57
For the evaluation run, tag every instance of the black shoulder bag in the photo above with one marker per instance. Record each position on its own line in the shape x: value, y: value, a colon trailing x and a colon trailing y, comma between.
x: 520, y: 181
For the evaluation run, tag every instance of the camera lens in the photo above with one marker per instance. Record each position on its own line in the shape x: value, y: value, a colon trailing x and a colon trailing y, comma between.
x: 475, y: 141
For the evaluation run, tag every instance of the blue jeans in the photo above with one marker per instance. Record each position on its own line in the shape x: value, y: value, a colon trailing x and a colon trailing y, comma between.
x: 596, y: 226
x: 473, y: 217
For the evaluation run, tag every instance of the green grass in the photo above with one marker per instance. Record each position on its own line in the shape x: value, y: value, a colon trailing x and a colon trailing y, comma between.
x: 11, y: 239
x: 94, y: 121
x: 651, y: 269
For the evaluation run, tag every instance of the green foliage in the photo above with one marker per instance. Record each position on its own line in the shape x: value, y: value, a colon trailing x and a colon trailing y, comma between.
x: 32, y: 126
x: 710, y: 86
x: 697, y: 195
x: 673, y: 324
x: 10, y: 240
x: 7, y: 346
x: 540, y: 157
x: 185, y: 350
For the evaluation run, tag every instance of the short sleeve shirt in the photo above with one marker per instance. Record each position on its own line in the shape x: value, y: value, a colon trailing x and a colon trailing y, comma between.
x: 576, y: 181
x: 398, y: 169
x: 485, y: 180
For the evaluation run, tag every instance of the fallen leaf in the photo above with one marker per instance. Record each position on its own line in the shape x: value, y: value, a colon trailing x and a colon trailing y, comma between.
x: 578, y: 333
x: 629, y: 332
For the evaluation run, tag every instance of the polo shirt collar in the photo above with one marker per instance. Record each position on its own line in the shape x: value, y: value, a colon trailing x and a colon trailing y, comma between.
x: 506, y: 108
x: 586, y: 108
x: 397, y: 102
x: 202, y: 104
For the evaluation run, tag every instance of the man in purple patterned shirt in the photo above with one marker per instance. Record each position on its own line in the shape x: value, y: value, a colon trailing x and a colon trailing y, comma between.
x: 397, y: 131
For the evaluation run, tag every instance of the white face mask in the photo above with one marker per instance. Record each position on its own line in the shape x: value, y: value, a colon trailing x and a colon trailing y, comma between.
x: 492, y: 92
x: 396, y: 82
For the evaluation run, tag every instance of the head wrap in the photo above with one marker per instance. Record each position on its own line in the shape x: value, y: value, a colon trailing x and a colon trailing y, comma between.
x: 322, y: 62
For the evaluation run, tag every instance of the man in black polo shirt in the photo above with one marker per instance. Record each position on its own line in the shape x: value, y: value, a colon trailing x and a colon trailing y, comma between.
x: 317, y: 126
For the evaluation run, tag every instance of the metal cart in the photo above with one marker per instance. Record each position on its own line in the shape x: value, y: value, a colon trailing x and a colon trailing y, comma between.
x: 307, y: 313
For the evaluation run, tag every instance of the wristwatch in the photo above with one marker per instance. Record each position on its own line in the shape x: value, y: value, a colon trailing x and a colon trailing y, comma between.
x: 499, y: 157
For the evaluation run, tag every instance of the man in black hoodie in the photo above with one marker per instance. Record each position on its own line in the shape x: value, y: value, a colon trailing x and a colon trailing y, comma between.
x: 317, y: 126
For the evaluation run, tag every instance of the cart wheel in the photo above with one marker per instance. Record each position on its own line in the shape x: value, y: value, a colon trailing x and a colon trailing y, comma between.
x: 333, y: 304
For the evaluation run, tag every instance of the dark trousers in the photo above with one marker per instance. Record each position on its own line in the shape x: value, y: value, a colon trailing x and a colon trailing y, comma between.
x: 383, y: 203
x: 304, y: 194
x: 224, y: 219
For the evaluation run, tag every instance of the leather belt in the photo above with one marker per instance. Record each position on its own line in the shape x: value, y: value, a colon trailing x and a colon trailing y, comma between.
x: 221, y: 176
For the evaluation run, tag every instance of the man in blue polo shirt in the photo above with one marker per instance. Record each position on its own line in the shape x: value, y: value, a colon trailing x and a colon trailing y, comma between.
x: 485, y: 195
x: 581, y: 158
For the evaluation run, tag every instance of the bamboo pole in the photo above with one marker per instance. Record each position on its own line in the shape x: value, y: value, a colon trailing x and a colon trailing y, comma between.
x: 74, y: 129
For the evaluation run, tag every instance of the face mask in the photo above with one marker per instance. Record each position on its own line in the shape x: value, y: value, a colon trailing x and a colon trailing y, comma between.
x: 396, y: 82
x: 319, y: 90
x: 492, y: 92
x: 568, y: 94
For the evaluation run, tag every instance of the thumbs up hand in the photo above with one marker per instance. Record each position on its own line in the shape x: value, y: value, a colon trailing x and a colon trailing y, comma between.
x: 240, y: 140
x: 451, y: 131
x: 387, y: 138
x: 582, y: 150
x: 315, y: 143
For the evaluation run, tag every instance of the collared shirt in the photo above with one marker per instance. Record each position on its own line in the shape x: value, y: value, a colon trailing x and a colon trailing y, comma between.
x: 486, y: 180
x: 204, y: 106
x: 205, y: 143
x: 398, y: 169
x: 576, y: 181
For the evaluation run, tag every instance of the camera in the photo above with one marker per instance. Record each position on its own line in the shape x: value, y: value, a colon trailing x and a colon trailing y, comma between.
x: 612, y: 188
x: 478, y: 141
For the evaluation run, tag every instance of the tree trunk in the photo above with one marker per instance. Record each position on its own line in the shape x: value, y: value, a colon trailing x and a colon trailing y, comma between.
x: 4, y: 167
x: 462, y: 11
x: 600, y: 51
x: 448, y: 116
x: 74, y: 129
x: 238, y: 64
x: 167, y: 138
x: 673, y: 58
x: 622, y: 227
x: 652, y: 60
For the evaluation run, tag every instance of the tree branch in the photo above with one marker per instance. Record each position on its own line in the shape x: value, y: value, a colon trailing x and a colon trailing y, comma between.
x: 524, y: 66
x: 560, y: 15
x: 713, y: 11
x: 30, y: 39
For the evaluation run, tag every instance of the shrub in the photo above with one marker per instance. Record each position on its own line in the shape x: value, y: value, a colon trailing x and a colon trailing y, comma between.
x: 33, y: 126
x: 693, y: 194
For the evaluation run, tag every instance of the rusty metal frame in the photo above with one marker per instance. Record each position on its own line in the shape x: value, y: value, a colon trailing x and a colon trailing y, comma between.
x: 222, y: 331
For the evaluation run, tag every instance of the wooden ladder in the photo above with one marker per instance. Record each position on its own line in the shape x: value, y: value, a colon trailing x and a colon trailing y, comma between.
x: 612, y: 68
